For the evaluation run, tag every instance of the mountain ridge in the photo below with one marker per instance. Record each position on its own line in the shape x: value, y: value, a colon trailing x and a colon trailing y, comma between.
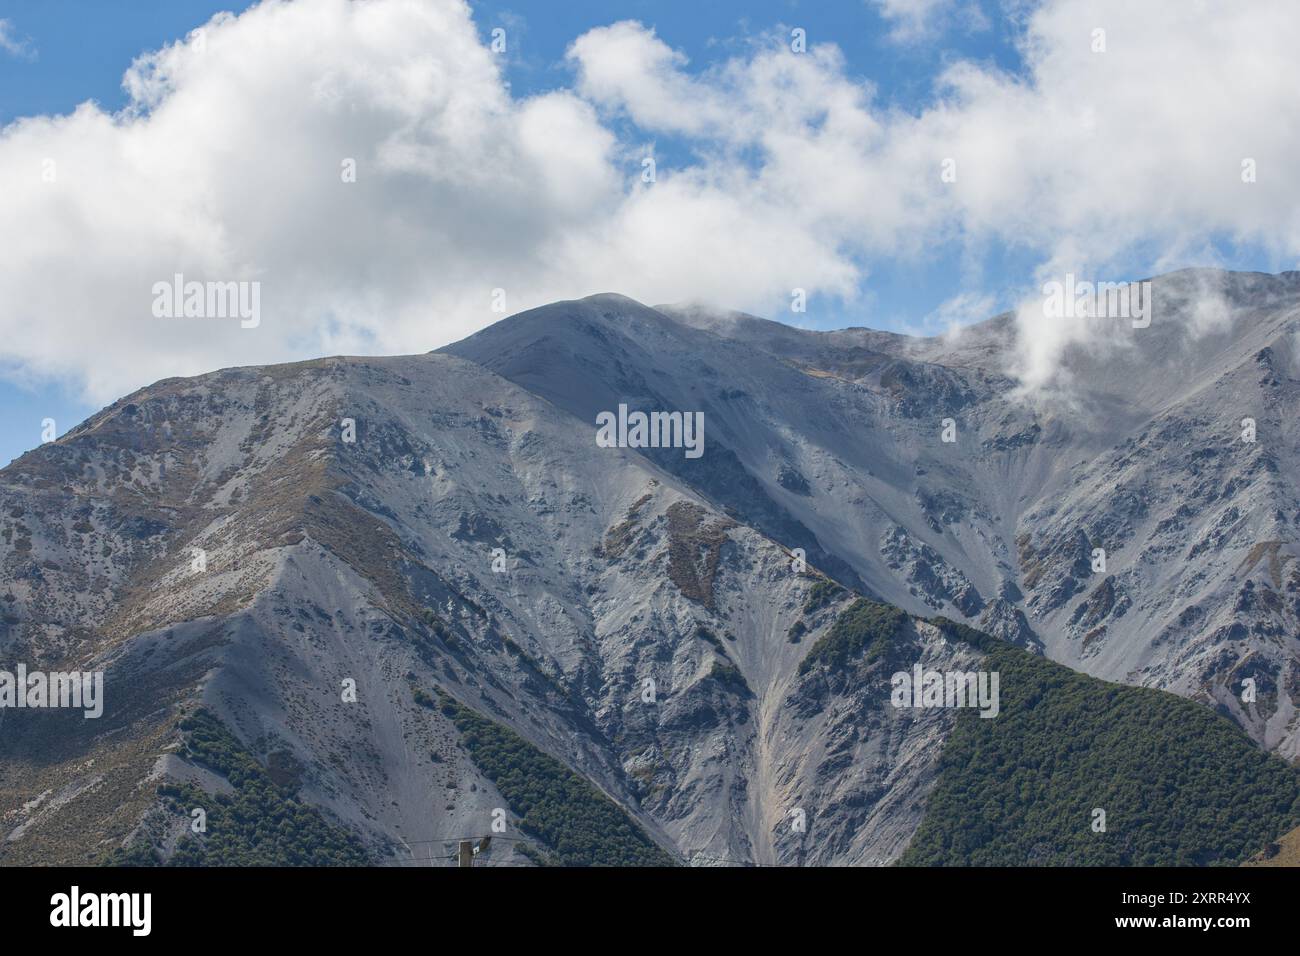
x: 375, y: 560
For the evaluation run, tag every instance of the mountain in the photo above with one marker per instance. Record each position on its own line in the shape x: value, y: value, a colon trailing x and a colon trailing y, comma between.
x: 364, y: 608
x: 832, y: 441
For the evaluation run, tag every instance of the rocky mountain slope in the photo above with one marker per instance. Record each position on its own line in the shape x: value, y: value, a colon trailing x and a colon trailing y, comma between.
x: 401, y: 590
x: 834, y: 441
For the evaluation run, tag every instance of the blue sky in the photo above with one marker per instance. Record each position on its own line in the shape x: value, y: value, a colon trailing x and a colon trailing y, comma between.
x: 65, y: 52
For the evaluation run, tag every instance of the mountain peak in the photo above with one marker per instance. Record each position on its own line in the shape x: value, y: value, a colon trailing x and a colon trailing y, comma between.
x: 444, y: 536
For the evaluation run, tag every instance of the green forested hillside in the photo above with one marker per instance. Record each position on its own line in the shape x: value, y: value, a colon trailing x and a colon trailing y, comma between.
x: 863, y: 627
x: 560, y: 808
x: 260, y: 823
x: 1180, y: 785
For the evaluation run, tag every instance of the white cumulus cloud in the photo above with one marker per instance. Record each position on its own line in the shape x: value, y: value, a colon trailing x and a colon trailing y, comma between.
x: 227, y: 166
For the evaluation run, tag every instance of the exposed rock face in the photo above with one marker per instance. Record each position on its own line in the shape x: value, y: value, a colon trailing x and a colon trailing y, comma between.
x: 1136, y: 451
x: 472, y: 538
x: 1003, y: 619
x: 932, y: 579
x: 641, y: 616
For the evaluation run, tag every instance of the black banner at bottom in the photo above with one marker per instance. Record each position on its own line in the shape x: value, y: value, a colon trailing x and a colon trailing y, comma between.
x: 332, y: 906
